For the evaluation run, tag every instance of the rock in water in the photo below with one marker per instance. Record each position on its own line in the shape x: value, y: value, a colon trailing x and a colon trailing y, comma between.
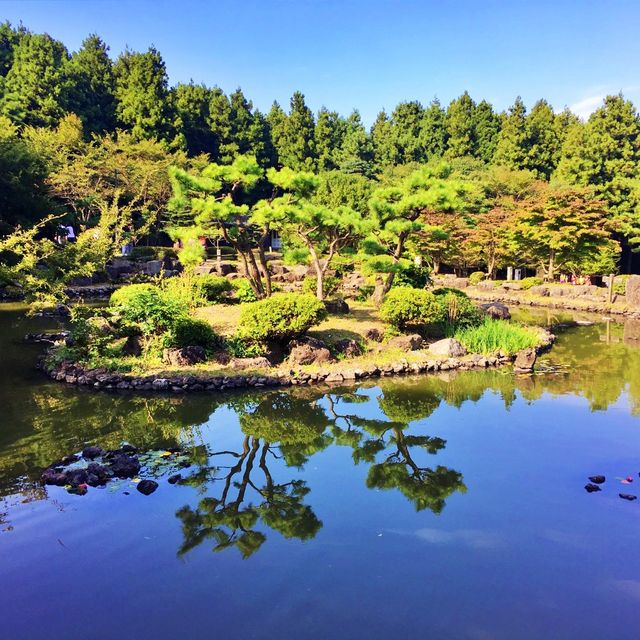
x: 525, y: 361
x: 92, y: 452
x: 147, y: 487
x: 175, y: 478
x: 628, y: 496
x: 124, y: 466
x: 597, y: 479
x: 592, y: 487
x: 51, y: 476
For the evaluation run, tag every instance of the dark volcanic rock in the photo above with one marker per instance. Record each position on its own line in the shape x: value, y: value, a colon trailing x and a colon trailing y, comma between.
x: 147, y: 487
x: 525, y: 361
x: 597, y: 479
x: 51, y: 476
x: 175, y: 478
x: 92, y: 452
x: 348, y: 348
x: 628, y: 496
x: 184, y: 357
x: 124, y: 466
x: 336, y: 306
x: 374, y: 334
x: 592, y: 487
x: 76, y: 476
x: 308, y: 350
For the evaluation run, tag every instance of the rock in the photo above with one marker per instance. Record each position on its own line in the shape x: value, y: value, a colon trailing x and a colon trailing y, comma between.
x: 51, y: 476
x: 633, y: 291
x: 336, y: 306
x: 92, y: 452
x: 250, y: 363
x: 128, y: 448
x: 448, y: 347
x: 540, y: 290
x: 496, y: 310
x: 132, y: 346
x: 161, y: 383
x: 101, y: 326
x: 334, y: 377
x: 124, y: 466
x: 592, y: 487
x: 97, y: 474
x: 374, y: 334
x: 79, y: 490
x: 152, y: 267
x: 147, y: 487
x: 184, y: 357
x: 627, y: 496
x: 597, y: 479
x: 308, y: 350
x: 525, y: 361
x: 348, y: 348
x: 174, y: 479
x: 412, y: 342
x: 70, y: 459
x: 76, y: 476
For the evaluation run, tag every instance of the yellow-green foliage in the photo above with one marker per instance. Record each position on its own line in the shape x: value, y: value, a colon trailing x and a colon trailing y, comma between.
x: 405, y: 306
x: 497, y: 335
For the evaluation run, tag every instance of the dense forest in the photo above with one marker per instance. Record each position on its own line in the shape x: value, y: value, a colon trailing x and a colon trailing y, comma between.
x: 103, y: 143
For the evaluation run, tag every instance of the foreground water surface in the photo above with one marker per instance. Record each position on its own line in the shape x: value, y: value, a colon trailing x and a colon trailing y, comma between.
x: 448, y: 506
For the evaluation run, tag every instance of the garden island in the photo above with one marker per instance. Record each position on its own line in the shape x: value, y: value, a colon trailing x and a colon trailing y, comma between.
x: 384, y: 363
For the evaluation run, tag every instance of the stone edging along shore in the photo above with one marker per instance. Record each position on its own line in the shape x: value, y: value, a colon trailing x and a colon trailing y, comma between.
x: 101, y: 379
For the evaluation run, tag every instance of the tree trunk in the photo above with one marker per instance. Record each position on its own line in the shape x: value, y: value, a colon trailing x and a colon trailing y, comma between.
x: 263, y: 261
x: 551, y: 267
x: 397, y: 254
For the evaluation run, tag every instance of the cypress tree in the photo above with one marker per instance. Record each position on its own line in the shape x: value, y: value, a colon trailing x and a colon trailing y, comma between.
x: 460, y: 127
x: 329, y: 133
x: 406, y: 121
x: 190, y: 102
x: 277, y: 120
x: 486, y: 126
x: 356, y: 154
x: 433, y: 133
x: 299, y: 149
x: 385, y: 152
x: 511, y: 150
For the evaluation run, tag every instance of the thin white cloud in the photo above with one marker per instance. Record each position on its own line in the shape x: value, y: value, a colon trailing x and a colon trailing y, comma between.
x: 585, y: 107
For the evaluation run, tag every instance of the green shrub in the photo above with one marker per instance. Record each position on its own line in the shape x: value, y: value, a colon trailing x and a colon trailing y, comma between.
x: 147, y: 308
x: 497, y: 335
x: 191, y: 332
x: 620, y: 285
x: 532, y: 281
x: 365, y: 292
x: 412, y: 276
x: 456, y: 310
x: 243, y: 290
x: 214, y: 288
x: 185, y: 289
x: 280, y: 318
x: 239, y: 348
x: 477, y: 277
x: 404, y: 306
x: 329, y: 286
x: 441, y: 291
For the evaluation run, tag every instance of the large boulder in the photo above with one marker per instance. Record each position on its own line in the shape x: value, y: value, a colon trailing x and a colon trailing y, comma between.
x: 184, y: 357
x: 412, y: 342
x: 336, y: 306
x: 525, y: 360
x: 250, y: 363
x: 449, y: 347
x: 348, y: 348
x: 152, y: 267
x: 633, y: 291
x: 374, y: 334
x: 308, y: 350
x: 496, y: 310
x: 132, y: 346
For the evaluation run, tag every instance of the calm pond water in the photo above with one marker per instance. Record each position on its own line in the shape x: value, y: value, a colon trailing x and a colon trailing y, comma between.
x: 445, y: 506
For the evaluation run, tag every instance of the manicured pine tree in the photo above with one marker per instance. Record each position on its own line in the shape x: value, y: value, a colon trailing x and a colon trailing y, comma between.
x: 35, y: 86
x: 329, y: 133
x: 460, y: 127
x: 92, y: 86
x: 143, y: 96
x: 511, y: 150
x: 433, y: 132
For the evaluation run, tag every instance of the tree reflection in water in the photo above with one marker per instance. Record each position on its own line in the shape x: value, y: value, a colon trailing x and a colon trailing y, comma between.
x: 291, y: 427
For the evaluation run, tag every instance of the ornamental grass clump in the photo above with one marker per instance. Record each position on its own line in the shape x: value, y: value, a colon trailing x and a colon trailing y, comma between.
x: 497, y: 335
x: 280, y: 318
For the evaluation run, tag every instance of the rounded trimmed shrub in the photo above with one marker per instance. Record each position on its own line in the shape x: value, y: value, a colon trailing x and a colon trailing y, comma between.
x: 477, y: 277
x: 243, y: 290
x: 404, y: 306
x: 191, y: 332
x: 213, y: 288
x: 280, y: 318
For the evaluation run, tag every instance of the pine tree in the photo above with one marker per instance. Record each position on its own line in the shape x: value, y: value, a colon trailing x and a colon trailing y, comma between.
x: 142, y: 94
x: 511, y: 150
x: 486, y: 126
x: 299, y: 149
x: 356, y: 153
x: 433, y: 133
x: 460, y: 127
x: 330, y: 132
x: 406, y: 121
x: 92, y: 86
x: 385, y: 152
x: 35, y: 86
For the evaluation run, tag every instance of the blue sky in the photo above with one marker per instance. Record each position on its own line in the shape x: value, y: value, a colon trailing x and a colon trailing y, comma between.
x: 370, y: 54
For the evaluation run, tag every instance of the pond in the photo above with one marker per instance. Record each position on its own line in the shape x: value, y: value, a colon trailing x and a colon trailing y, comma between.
x: 449, y: 506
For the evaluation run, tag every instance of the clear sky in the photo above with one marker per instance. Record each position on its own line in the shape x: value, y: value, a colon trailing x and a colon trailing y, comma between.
x: 370, y: 54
